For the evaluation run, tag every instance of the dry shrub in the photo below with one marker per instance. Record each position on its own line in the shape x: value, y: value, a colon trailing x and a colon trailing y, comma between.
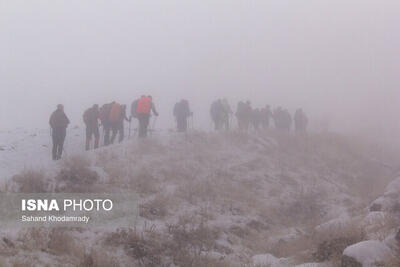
x: 191, y: 241
x: 31, y: 182
x: 99, y: 257
x: 146, y: 246
x: 257, y: 225
x: 186, y: 244
x: 3, y: 262
x: 116, y: 172
x: 305, y: 207
x: 331, y: 243
x: 256, y: 242
x: 147, y: 146
x: 21, y: 262
x: 201, y: 261
x: 381, y: 228
x: 197, y: 191
x: 292, y: 248
x: 176, y: 172
x: 76, y: 162
x: 56, y: 241
x: 144, y: 183
x: 241, y: 232
x: 76, y: 175
x: 237, y: 137
x: 62, y: 242
x: 392, y: 262
x: 156, y: 208
x: 322, y: 246
x: 105, y: 156
x: 370, y: 184
x: 35, y: 238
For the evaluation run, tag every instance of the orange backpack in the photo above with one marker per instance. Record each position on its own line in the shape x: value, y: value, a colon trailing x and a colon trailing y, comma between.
x: 115, y: 113
x: 144, y: 105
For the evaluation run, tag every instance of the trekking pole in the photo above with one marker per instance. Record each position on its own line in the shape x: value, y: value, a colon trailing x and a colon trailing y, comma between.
x: 154, y: 125
x: 135, y: 130
x: 51, y: 141
x: 101, y: 136
x: 129, y: 132
x: 65, y: 144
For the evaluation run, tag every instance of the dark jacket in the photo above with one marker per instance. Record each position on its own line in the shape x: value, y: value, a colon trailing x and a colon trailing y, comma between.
x: 181, y: 109
x: 58, y: 119
x: 91, y: 117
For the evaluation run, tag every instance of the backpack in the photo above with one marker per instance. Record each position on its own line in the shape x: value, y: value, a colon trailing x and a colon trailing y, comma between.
x: 115, y: 113
x: 86, y: 116
x: 144, y: 105
x: 104, y: 112
x: 185, y: 108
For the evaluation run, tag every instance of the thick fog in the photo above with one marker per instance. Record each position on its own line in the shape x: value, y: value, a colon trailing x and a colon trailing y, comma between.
x: 339, y: 60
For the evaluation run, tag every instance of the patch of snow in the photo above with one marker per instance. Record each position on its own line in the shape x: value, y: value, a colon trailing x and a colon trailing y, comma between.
x: 336, y: 223
x: 368, y: 252
x: 313, y: 264
x: 269, y: 261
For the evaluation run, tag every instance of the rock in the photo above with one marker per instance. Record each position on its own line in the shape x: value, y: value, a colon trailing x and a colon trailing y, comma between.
x: 390, y: 201
x: 8, y: 242
x: 375, y: 207
x: 396, y: 207
x: 365, y: 254
x: 393, y: 243
x: 350, y: 262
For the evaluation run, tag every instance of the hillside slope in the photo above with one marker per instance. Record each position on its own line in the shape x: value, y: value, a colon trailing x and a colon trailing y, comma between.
x: 220, y: 199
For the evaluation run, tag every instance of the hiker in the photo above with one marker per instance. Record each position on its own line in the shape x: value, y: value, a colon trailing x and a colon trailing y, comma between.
x: 58, y: 123
x: 104, y: 113
x: 117, y: 118
x: 144, y: 108
x: 243, y: 115
x: 134, y: 108
x: 287, y: 120
x: 278, y: 118
x: 114, y: 118
x: 226, y: 113
x: 91, y: 120
x: 181, y: 113
x: 220, y: 114
x: 256, y: 118
x: 300, y: 121
x: 282, y: 119
x: 216, y: 114
x: 239, y: 114
x: 133, y: 115
x: 266, y: 115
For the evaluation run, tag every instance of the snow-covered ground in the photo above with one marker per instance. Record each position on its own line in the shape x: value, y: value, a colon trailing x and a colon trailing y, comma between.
x: 31, y: 149
x: 215, y: 199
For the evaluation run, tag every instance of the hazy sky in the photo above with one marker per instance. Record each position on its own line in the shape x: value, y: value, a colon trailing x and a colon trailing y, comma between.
x: 337, y: 58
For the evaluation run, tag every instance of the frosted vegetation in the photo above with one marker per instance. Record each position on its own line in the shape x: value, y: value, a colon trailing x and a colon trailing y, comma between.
x: 219, y: 199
